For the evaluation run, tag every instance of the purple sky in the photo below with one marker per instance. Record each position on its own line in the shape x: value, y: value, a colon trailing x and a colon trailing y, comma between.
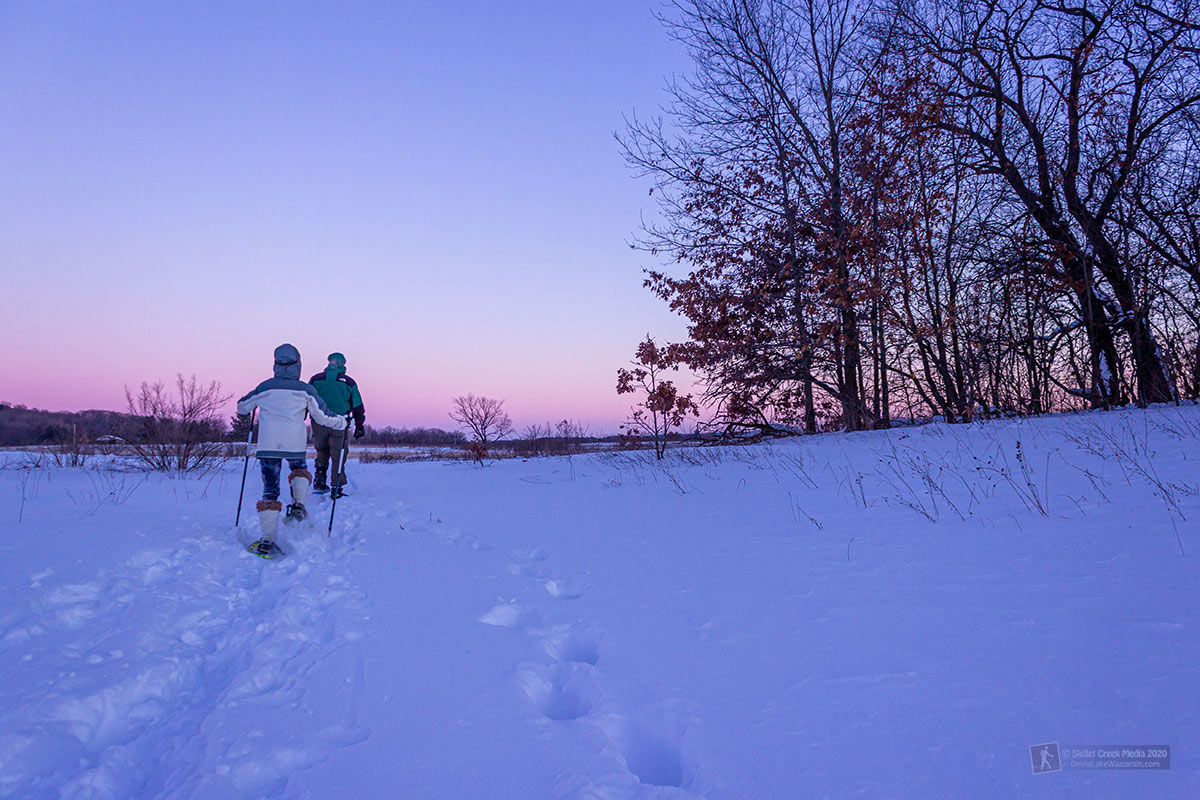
x: 431, y: 188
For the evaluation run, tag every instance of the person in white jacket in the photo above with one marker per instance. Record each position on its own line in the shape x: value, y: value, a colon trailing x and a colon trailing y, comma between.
x: 283, y: 403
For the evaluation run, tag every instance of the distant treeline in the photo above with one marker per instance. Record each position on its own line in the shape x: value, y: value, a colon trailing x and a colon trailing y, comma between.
x: 21, y: 426
x: 420, y: 437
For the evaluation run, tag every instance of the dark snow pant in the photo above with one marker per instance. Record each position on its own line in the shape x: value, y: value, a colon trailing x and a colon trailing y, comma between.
x: 271, y: 467
x: 329, y: 443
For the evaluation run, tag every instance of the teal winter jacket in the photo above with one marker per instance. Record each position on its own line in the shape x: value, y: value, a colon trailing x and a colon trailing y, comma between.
x: 340, y: 393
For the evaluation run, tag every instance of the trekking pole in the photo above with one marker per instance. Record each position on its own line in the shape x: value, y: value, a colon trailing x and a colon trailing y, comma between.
x: 245, y: 467
x: 339, y: 484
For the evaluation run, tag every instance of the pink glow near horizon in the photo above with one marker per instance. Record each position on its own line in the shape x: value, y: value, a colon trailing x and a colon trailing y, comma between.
x: 182, y: 195
x: 394, y: 394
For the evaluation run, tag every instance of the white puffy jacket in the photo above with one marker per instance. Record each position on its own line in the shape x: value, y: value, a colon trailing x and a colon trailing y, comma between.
x: 282, y: 402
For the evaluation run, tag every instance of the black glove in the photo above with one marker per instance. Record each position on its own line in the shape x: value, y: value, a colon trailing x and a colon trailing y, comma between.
x: 360, y: 432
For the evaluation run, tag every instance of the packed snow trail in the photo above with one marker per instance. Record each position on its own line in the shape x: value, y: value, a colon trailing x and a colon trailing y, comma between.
x: 895, y: 614
x: 148, y: 674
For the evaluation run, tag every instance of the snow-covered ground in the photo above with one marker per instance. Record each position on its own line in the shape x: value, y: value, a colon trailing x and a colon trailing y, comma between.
x: 892, y: 614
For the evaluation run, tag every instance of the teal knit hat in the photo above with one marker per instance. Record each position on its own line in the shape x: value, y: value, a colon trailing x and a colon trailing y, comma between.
x: 337, y: 358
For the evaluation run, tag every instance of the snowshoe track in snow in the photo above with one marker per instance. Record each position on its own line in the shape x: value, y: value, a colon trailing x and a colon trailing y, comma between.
x: 121, y: 700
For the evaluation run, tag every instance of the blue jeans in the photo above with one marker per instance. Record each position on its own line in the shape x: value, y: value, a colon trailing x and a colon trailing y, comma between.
x: 271, y: 467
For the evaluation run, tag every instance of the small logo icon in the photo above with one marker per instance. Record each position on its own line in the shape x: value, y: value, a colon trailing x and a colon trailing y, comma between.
x: 1045, y: 758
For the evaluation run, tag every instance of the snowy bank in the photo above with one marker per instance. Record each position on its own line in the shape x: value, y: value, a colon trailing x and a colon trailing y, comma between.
x: 887, y: 614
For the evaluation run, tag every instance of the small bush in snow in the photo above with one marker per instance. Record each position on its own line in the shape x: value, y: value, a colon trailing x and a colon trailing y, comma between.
x: 179, y: 432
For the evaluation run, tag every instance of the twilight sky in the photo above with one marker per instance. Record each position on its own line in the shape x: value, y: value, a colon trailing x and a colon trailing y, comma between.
x: 430, y: 187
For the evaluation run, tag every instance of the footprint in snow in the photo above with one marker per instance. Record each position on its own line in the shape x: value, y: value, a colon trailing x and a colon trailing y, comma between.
x: 566, y: 588
x: 566, y: 690
x: 651, y: 754
x: 536, y: 554
x: 560, y: 692
x: 511, y: 615
x: 573, y: 643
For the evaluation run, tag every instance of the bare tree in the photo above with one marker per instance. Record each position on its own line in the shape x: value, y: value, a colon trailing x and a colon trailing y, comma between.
x: 761, y: 197
x: 179, y: 432
x: 533, y: 440
x: 483, y: 417
x: 971, y: 208
x: 1066, y: 103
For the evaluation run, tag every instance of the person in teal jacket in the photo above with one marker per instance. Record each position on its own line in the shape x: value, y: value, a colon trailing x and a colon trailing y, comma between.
x: 341, y: 395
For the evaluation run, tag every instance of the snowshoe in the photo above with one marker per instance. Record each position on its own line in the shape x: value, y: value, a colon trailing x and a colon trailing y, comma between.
x: 338, y: 492
x: 320, y: 487
x: 296, y: 512
x: 265, y: 548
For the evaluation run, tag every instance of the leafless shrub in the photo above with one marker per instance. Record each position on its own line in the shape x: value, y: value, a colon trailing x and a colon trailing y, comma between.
x: 568, y: 437
x: 532, y: 441
x: 676, y: 481
x: 73, y: 452
x: 899, y: 464
x: 795, y: 465
x: 798, y: 511
x: 34, y: 459
x: 106, y: 487
x: 1130, y: 449
x: 403, y: 455
x: 562, y: 438
x: 384, y: 456
x: 1177, y: 425
x: 628, y: 463
x: 847, y: 478
x: 29, y: 476
x: 109, y: 446
x: 1022, y: 479
x: 1097, y: 481
x: 179, y: 432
